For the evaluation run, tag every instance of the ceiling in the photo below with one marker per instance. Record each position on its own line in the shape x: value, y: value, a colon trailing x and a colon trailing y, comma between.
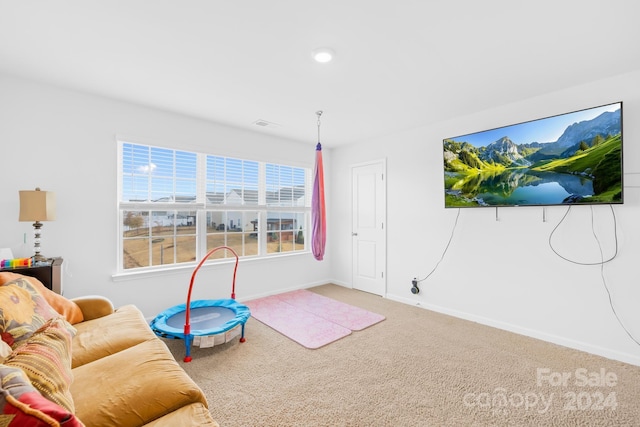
x: 399, y: 64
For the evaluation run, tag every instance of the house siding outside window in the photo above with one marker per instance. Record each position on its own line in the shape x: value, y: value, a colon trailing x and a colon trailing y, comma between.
x: 174, y: 206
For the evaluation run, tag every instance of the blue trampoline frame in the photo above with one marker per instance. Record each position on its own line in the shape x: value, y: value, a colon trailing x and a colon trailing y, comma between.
x: 241, y: 312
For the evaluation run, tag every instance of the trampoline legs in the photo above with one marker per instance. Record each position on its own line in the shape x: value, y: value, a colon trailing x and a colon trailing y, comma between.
x: 188, y: 339
x: 187, y: 342
x: 242, y: 338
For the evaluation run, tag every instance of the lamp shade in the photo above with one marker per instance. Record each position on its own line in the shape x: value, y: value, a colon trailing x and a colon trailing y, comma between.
x: 37, y: 205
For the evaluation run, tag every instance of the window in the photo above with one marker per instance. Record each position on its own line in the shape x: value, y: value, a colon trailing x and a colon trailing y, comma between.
x: 175, y: 206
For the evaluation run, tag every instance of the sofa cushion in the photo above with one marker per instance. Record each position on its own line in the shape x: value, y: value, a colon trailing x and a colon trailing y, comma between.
x: 94, y: 306
x: 134, y: 386
x: 195, y: 414
x: 60, y: 304
x: 22, y: 311
x: 21, y: 405
x: 46, y: 360
x: 109, y: 334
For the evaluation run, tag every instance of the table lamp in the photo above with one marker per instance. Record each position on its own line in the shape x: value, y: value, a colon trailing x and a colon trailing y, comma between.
x: 37, y: 206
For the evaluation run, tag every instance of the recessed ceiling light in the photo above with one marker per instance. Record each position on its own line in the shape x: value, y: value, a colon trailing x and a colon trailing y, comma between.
x: 323, y: 55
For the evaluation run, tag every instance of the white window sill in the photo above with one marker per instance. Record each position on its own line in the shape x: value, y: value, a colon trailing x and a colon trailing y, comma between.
x: 178, y: 269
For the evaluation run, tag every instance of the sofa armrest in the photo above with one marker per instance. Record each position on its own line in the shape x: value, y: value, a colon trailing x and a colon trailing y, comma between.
x: 94, y: 306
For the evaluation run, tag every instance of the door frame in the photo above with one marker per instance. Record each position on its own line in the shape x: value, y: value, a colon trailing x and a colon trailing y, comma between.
x: 383, y: 163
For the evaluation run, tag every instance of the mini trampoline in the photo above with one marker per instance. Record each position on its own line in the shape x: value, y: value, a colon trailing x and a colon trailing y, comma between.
x: 218, y: 320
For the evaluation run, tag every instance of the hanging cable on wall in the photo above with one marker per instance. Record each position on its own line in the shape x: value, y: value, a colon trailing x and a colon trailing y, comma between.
x: 415, y: 289
x: 601, y: 263
x: 615, y: 236
x: 604, y: 280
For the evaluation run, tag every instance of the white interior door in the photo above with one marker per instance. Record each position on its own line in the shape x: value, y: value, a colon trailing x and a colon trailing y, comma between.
x: 368, y: 227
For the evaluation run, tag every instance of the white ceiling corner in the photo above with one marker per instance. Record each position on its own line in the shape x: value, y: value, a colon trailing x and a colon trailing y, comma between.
x: 398, y: 65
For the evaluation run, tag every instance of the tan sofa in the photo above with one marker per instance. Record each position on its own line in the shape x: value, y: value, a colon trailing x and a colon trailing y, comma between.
x: 124, y: 375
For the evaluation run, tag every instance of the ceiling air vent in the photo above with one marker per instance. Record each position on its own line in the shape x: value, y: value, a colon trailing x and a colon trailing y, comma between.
x: 265, y: 124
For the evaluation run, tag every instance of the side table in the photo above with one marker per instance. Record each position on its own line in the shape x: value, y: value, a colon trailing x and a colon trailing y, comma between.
x: 49, y: 272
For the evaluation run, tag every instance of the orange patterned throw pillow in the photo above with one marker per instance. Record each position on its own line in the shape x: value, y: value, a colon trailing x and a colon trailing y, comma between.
x: 21, y: 405
x: 46, y: 359
x: 22, y: 311
x: 69, y: 309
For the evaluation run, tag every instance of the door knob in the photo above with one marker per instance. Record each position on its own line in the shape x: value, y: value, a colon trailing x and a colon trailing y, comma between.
x: 354, y: 234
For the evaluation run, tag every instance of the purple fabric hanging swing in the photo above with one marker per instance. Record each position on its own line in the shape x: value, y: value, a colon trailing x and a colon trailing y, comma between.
x: 318, y: 215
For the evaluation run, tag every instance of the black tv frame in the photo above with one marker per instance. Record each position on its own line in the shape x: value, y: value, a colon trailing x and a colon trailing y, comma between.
x: 483, y: 166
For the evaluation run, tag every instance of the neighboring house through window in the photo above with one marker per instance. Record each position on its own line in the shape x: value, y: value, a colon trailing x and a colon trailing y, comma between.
x: 175, y: 206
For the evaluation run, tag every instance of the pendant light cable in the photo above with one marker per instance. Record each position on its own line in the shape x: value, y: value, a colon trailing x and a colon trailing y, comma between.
x: 319, y: 113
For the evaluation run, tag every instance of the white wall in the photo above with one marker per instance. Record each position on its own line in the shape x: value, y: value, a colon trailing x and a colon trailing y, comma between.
x: 65, y: 142
x: 500, y: 273
x: 503, y: 273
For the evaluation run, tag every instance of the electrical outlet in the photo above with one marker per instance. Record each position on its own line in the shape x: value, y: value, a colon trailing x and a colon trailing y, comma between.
x: 414, y: 286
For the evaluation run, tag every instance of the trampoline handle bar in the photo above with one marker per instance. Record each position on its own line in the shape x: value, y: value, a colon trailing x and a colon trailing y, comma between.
x: 187, y: 325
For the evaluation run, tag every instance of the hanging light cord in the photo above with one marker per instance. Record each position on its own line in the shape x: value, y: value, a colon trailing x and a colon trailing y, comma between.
x: 319, y: 113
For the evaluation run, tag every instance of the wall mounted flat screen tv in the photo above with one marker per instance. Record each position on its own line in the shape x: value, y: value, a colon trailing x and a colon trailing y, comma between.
x: 572, y: 158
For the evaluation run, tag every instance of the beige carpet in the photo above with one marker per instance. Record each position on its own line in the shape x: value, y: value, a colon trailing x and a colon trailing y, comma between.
x: 416, y: 368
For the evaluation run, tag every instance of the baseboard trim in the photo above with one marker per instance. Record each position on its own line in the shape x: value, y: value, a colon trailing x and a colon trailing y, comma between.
x: 281, y: 291
x: 341, y: 283
x: 555, y: 339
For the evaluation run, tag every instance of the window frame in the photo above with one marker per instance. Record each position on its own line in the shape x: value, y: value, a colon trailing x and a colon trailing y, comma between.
x: 201, y: 207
